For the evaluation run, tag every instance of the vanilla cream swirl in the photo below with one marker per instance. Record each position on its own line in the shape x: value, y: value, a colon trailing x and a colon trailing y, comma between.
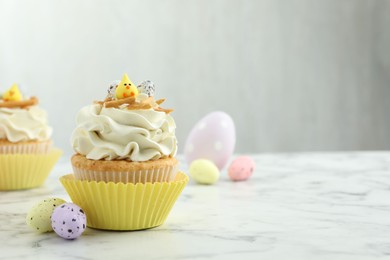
x: 122, y: 134
x: 18, y: 125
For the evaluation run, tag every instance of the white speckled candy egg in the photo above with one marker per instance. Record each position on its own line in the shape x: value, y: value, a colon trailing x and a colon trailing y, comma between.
x: 68, y: 221
x: 111, y: 89
x: 204, y: 171
x: 38, y: 217
x: 241, y: 168
x: 147, y: 87
x: 213, y: 138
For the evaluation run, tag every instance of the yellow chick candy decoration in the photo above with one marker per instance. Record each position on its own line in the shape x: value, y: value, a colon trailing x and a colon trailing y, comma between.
x: 126, y: 88
x: 12, y: 94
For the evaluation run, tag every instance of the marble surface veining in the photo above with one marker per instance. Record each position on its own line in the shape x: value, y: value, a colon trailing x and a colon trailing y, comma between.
x: 296, y: 206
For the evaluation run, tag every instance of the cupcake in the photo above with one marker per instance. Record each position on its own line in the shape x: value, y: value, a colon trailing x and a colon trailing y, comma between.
x: 125, y: 171
x: 126, y: 138
x: 26, y: 153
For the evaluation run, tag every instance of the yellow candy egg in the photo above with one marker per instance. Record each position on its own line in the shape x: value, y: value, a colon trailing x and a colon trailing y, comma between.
x: 38, y: 217
x: 204, y: 171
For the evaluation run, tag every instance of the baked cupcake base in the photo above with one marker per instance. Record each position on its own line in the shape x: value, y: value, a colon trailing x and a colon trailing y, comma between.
x: 25, y: 171
x: 121, y: 171
x: 120, y: 206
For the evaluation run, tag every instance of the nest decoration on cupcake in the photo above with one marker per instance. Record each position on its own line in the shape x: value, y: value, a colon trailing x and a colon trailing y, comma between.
x: 125, y: 144
x: 13, y: 98
x: 132, y: 103
x: 126, y: 96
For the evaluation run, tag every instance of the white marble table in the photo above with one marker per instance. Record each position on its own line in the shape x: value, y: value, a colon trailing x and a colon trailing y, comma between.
x: 296, y: 206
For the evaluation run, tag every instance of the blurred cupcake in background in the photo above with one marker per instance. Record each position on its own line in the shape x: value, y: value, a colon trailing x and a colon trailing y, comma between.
x: 26, y: 153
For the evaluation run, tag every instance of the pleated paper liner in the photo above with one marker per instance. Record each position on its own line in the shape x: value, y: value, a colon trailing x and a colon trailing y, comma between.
x: 164, y: 174
x: 7, y: 147
x: 25, y: 171
x: 124, y: 206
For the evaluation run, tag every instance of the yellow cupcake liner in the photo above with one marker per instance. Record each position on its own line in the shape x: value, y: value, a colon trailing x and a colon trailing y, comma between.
x: 25, y: 171
x: 124, y: 206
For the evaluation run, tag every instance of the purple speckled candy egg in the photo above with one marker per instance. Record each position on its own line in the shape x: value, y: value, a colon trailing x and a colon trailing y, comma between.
x: 68, y: 221
x: 212, y: 138
x: 241, y: 168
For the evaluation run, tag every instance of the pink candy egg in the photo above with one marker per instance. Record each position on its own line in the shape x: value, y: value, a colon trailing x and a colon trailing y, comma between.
x: 212, y: 138
x: 68, y: 221
x: 241, y: 168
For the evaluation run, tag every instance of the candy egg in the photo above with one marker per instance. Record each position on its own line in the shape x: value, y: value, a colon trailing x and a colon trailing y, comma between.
x: 147, y: 87
x: 213, y: 138
x: 241, y: 168
x: 38, y: 217
x: 111, y: 89
x: 204, y: 171
x: 68, y: 221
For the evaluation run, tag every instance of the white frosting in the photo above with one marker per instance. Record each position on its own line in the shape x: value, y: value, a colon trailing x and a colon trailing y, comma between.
x: 119, y: 133
x: 18, y: 125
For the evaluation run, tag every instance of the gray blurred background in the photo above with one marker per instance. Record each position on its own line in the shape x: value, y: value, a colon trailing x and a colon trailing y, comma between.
x: 295, y: 75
